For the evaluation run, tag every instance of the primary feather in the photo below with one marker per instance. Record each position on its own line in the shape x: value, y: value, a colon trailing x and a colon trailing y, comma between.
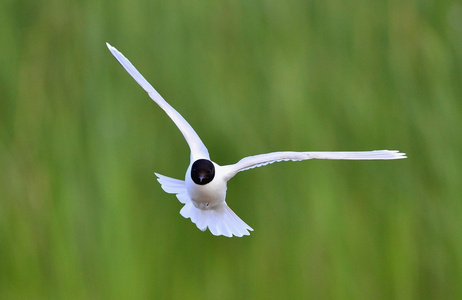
x: 198, y: 149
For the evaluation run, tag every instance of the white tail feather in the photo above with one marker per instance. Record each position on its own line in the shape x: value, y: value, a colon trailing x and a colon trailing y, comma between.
x: 220, y: 220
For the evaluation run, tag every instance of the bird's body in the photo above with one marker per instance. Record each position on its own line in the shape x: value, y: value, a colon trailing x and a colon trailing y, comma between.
x: 207, y: 196
x: 203, y: 192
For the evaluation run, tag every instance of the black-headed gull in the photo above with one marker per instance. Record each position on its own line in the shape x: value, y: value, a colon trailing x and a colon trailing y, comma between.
x: 203, y: 191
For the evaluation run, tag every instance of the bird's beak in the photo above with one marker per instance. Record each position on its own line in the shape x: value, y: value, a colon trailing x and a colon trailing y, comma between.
x: 201, y: 176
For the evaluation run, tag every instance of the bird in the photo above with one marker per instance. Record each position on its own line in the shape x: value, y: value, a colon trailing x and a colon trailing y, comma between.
x: 203, y: 191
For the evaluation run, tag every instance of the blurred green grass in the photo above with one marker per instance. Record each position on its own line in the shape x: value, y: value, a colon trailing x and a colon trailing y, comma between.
x: 81, y: 215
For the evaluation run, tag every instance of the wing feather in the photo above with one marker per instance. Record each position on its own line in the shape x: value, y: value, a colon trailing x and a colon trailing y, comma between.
x: 198, y: 149
x: 260, y: 160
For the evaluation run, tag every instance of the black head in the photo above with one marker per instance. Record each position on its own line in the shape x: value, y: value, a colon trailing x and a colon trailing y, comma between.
x: 202, y: 171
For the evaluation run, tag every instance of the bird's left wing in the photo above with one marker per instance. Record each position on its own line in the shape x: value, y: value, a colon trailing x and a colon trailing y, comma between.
x: 264, y: 159
x: 198, y: 149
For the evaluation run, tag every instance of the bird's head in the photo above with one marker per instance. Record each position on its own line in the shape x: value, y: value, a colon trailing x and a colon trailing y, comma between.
x: 202, y: 171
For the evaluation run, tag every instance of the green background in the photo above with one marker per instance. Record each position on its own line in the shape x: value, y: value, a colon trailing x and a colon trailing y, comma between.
x: 82, y: 216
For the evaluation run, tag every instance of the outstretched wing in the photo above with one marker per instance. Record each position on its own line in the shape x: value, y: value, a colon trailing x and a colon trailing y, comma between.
x: 269, y: 158
x: 198, y: 149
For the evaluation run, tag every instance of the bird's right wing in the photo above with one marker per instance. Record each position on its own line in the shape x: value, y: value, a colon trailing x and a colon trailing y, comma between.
x: 264, y: 159
x: 198, y: 149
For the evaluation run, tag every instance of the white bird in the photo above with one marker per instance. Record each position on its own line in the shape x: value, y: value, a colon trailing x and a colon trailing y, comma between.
x: 203, y: 191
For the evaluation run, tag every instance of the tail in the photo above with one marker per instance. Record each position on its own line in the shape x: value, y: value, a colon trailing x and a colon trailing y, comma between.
x: 220, y: 220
